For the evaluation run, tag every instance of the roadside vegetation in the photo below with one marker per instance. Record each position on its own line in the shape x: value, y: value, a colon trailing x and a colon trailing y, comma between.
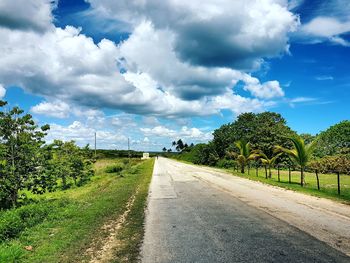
x: 62, y: 203
x: 263, y: 142
x: 68, y: 225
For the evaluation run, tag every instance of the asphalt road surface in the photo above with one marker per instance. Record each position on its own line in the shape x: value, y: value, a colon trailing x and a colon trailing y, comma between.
x: 191, y: 220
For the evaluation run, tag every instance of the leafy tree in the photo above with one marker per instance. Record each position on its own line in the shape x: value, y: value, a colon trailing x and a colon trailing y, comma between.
x: 21, y: 156
x: 245, y: 153
x: 262, y: 130
x: 335, y: 140
x: 69, y: 164
x: 164, y: 149
x: 300, y: 153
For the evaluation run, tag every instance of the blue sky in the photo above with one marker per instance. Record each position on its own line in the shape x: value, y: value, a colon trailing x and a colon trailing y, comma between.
x: 156, y: 71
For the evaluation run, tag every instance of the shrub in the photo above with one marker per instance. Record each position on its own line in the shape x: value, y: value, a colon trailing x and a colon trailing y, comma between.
x: 115, y: 168
x: 224, y: 163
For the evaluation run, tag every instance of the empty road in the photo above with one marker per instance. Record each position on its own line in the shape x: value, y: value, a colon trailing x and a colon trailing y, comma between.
x: 198, y: 214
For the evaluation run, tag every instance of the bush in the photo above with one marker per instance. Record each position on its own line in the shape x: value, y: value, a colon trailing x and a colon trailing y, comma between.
x: 14, y: 221
x: 115, y: 168
x: 224, y: 163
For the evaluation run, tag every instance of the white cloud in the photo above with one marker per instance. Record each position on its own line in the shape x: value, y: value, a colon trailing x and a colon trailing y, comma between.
x: 84, y: 134
x: 57, y: 109
x: 326, y: 27
x: 267, y: 90
x: 77, y: 76
x: 2, y: 91
x: 27, y: 14
x: 188, y: 134
x: 324, y: 77
x: 257, y: 29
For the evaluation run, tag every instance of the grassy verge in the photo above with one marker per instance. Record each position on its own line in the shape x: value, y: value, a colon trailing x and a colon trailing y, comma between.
x: 60, y: 226
x: 328, y: 182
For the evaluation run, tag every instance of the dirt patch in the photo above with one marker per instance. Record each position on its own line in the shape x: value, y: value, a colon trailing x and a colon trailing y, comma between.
x: 103, y: 248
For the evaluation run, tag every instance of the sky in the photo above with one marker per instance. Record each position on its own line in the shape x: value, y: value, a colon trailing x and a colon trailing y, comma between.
x: 155, y: 71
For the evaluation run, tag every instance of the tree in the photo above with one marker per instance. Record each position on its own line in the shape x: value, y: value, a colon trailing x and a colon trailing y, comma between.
x: 335, y: 140
x: 300, y: 154
x: 69, y: 164
x: 179, y: 145
x: 268, y: 162
x: 245, y: 153
x: 170, y: 150
x: 21, y: 156
x: 164, y: 149
x: 262, y: 130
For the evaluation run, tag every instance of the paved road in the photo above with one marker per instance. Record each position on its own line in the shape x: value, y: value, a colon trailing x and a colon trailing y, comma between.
x: 189, y: 220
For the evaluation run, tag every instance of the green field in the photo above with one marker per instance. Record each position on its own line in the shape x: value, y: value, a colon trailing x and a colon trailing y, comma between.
x: 61, y: 226
x: 328, y: 182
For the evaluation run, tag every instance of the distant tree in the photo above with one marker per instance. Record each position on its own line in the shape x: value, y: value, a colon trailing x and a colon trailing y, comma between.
x: 300, y: 153
x: 307, y: 137
x: 164, y: 149
x: 179, y: 145
x: 262, y: 130
x: 170, y: 150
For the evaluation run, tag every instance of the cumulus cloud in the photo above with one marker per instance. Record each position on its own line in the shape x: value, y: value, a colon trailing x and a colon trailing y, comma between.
x: 82, y: 134
x: 327, y: 28
x: 2, y: 91
x: 236, y: 34
x: 186, y: 133
x: 56, y: 109
x: 149, y: 73
x: 27, y: 14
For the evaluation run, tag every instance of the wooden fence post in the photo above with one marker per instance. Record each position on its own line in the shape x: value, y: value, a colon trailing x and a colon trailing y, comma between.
x: 289, y: 175
x: 257, y: 170
x: 278, y: 173
x: 318, y: 181
x: 265, y: 171
x: 248, y: 169
x: 338, y: 179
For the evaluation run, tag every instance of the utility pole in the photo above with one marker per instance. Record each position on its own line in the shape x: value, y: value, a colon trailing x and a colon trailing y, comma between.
x: 95, y: 145
x: 129, y: 147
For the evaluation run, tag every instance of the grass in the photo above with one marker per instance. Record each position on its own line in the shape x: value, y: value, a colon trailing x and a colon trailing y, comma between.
x: 328, y: 183
x: 71, y: 218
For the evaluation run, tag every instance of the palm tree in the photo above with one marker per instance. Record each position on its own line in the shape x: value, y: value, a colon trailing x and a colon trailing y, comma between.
x: 245, y: 153
x: 300, y: 153
x: 268, y: 162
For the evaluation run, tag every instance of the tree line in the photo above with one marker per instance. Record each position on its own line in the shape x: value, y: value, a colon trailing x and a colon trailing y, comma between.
x: 265, y: 139
x: 27, y: 163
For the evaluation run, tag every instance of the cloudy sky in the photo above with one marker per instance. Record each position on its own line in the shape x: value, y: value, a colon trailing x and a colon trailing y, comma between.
x: 159, y: 70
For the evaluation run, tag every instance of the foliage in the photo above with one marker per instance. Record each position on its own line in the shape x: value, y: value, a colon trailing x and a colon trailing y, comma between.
x: 331, y: 164
x: 265, y: 160
x: 225, y: 163
x: 300, y: 154
x: 26, y: 163
x: 335, y: 140
x: 115, y: 168
x: 245, y: 153
x: 21, y: 158
x: 263, y: 131
x: 68, y: 164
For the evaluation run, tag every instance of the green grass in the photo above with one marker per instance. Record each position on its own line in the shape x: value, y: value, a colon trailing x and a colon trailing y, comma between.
x: 328, y: 182
x: 63, y: 224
